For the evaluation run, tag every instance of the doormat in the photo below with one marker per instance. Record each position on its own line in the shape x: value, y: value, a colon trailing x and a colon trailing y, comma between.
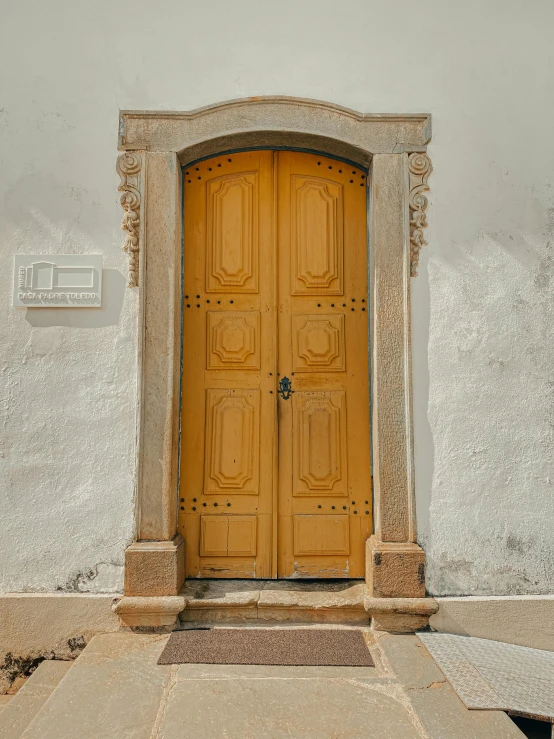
x: 317, y: 647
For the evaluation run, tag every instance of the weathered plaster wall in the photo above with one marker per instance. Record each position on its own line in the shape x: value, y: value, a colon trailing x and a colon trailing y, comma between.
x: 482, y: 307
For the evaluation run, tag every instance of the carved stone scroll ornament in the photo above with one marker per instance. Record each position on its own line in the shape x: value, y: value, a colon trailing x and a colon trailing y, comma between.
x: 128, y: 168
x: 420, y: 168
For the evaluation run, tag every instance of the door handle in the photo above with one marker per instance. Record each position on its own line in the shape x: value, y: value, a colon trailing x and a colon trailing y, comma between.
x: 285, y: 388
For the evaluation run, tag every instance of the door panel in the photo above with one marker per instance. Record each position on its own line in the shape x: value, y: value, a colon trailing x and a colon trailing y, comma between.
x: 233, y: 340
x: 319, y: 444
x: 275, y: 281
x: 323, y: 349
x: 318, y: 343
x: 228, y: 536
x: 228, y: 427
x: 232, y: 451
x: 316, y: 234
x: 321, y: 535
x: 232, y: 238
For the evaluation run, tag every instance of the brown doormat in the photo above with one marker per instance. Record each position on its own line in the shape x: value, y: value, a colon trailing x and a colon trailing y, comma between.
x: 317, y: 647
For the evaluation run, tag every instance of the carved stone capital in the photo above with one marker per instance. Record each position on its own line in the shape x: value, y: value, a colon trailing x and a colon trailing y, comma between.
x: 420, y: 168
x: 129, y: 167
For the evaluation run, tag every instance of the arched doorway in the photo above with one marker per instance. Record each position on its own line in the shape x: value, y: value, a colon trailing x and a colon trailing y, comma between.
x: 155, y: 146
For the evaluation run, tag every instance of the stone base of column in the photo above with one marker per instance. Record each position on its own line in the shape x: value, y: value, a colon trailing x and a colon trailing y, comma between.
x: 394, y: 570
x: 400, y: 615
x: 155, y: 568
x: 154, y: 614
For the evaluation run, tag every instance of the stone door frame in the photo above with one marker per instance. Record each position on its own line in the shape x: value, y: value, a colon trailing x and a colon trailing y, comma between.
x: 155, y: 146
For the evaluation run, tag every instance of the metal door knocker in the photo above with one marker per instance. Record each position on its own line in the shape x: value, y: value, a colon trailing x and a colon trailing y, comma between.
x: 285, y: 388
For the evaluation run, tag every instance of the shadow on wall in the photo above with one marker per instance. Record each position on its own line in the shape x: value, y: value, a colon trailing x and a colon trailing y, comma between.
x: 113, y: 293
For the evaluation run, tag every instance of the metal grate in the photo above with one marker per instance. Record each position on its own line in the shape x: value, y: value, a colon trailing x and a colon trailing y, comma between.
x: 496, y: 676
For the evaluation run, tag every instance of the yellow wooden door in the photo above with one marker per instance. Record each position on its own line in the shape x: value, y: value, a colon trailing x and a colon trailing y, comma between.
x: 324, y: 475
x: 229, y: 355
x: 275, y: 274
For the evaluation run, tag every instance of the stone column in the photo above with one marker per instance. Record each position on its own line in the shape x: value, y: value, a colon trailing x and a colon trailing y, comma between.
x: 154, y: 563
x: 395, y: 564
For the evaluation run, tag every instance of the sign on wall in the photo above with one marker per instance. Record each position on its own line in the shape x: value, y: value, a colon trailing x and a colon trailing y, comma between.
x: 57, y: 280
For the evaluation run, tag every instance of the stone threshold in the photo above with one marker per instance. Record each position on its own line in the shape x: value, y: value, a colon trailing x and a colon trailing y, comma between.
x: 298, y: 601
x: 329, y: 601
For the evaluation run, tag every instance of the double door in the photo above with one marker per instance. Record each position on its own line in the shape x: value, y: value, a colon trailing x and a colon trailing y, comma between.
x: 275, y: 471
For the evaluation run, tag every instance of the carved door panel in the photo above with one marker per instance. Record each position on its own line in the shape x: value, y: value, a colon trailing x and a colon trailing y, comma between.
x: 275, y: 278
x: 324, y: 471
x: 228, y: 427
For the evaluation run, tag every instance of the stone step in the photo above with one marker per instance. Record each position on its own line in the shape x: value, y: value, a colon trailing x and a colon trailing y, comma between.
x: 4, y: 700
x: 19, y: 712
x: 114, y: 689
x: 275, y: 600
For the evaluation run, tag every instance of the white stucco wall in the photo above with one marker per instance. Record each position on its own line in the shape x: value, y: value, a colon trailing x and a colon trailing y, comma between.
x: 482, y: 303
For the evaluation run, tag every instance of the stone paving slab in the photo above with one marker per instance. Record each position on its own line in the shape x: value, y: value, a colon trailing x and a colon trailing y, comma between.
x: 30, y: 698
x: 279, y: 703
x: 444, y: 715
x: 113, y: 691
x: 352, y: 597
x: 261, y: 672
x: 218, y: 590
x: 275, y: 600
x: 221, y: 593
x: 272, y: 593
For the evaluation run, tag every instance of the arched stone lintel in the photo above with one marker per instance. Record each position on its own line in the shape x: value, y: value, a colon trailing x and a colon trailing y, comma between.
x: 341, y: 131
